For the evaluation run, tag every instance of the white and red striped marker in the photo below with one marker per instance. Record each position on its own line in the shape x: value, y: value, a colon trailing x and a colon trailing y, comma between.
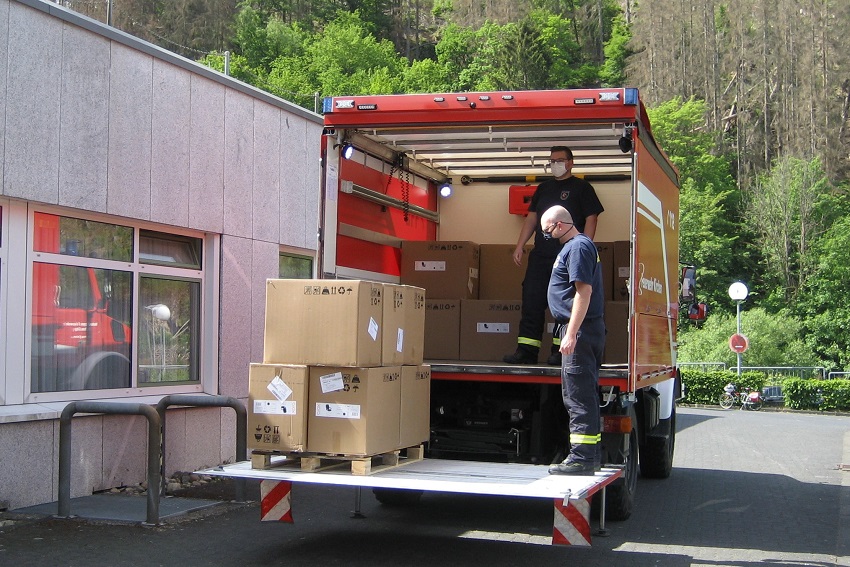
x: 572, y: 523
x: 276, y: 501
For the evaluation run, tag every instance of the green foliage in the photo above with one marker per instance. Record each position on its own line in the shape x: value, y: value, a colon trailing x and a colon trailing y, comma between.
x: 823, y: 395
x: 826, y: 319
x: 707, y: 387
x: 613, y: 71
x: 775, y: 340
x: 788, y: 209
x: 802, y: 394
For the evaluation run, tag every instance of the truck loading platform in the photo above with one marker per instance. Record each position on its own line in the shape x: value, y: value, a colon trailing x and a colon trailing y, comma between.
x: 571, y: 494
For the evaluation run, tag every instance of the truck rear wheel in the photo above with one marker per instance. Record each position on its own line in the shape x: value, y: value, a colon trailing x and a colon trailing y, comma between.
x: 656, y: 454
x: 620, y: 495
x: 393, y: 497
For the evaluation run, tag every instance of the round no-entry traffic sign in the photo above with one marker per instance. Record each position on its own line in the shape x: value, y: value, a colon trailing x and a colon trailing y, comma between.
x: 738, y: 343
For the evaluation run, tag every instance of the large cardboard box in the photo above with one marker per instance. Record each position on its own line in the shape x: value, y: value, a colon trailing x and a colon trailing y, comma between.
x: 488, y: 328
x: 415, y: 426
x: 403, y: 325
x: 442, y: 329
x: 354, y: 411
x: 606, y: 259
x: 617, y: 337
x: 277, y: 407
x: 446, y: 269
x: 331, y: 322
x: 501, y: 278
x: 622, y: 263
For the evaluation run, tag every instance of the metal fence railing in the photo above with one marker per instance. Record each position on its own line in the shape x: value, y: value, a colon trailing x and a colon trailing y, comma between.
x: 704, y: 366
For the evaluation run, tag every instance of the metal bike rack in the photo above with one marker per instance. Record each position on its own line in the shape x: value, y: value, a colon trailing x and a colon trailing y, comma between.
x: 110, y: 408
x: 190, y: 400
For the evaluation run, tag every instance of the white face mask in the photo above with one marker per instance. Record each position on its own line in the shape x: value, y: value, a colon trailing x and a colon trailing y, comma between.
x: 558, y: 169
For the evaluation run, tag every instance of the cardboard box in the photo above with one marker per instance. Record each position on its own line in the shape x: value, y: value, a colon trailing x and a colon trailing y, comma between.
x: 501, y: 278
x: 331, y: 322
x: 606, y: 258
x: 403, y: 325
x: 442, y: 329
x: 354, y: 411
x: 617, y: 337
x: 415, y: 417
x: 622, y: 263
x: 277, y: 407
x: 488, y: 328
x: 445, y: 269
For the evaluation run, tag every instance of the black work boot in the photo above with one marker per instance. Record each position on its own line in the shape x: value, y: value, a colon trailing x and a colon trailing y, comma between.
x: 524, y: 355
x: 573, y: 467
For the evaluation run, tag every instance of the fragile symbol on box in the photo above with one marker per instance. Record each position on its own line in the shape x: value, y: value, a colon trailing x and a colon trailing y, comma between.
x: 344, y: 411
x: 493, y: 327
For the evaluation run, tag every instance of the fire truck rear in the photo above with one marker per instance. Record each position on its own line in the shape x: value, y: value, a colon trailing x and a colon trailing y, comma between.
x: 461, y: 167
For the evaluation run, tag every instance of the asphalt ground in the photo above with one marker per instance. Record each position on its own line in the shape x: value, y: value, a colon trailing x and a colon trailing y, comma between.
x: 765, y: 489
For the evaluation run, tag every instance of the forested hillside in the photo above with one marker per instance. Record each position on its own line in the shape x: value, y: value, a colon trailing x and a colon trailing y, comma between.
x: 749, y: 98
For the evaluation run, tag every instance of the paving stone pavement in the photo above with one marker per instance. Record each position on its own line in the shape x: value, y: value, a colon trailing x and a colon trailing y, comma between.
x: 762, y: 489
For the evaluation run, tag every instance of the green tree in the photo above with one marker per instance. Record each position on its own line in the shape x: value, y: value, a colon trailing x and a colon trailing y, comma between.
x: 775, y: 339
x: 827, y: 320
x: 613, y: 71
x: 787, y: 209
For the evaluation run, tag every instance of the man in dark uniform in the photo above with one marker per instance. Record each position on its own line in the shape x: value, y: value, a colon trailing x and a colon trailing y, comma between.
x: 579, y: 198
x: 577, y: 303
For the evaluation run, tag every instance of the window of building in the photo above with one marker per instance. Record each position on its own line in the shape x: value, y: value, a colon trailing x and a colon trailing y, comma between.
x: 293, y: 266
x: 113, y: 306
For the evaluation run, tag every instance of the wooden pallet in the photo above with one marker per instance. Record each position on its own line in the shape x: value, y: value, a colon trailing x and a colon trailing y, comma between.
x: 315, y: 462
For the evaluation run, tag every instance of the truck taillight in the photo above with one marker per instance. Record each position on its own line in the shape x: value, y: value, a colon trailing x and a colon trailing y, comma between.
x: 616, y: 424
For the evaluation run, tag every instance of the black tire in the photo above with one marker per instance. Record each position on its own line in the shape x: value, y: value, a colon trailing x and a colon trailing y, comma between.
x: 393, y: 497
x: 620, y: 495
x: 656, y: 454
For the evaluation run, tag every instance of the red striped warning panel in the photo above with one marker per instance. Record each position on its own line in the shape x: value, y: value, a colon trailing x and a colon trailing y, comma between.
x: 572, y: 523
x: 276, y: 501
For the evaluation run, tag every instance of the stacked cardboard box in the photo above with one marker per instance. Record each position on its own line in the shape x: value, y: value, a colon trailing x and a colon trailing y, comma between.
x: 488, y: 328
x: 445, y: 269
x: 335, y: 354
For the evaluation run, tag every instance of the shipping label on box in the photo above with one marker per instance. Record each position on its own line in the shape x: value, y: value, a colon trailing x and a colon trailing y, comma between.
x: 442, y: 329
x: 488, y: 328
x: 332, y: 322
x: 354, y: 410
x: 445, y: 269
x: 277, y: 407
x: 415, y: 416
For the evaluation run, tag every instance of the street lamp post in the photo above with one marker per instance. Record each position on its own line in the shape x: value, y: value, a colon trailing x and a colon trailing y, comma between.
x: 738, y: 292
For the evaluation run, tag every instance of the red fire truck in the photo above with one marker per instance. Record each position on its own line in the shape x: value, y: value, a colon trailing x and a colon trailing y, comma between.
x: 460, y: 167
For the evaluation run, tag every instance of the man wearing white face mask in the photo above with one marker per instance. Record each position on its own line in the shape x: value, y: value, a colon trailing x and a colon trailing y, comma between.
x: 579, y: 198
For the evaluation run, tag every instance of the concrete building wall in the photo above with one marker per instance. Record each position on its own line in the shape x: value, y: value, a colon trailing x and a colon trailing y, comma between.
x: 97, y: 121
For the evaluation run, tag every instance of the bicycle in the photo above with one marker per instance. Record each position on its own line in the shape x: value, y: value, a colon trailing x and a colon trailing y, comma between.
x: 749, y: 399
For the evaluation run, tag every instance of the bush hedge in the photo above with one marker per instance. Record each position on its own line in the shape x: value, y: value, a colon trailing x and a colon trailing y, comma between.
x: 824, y: 395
